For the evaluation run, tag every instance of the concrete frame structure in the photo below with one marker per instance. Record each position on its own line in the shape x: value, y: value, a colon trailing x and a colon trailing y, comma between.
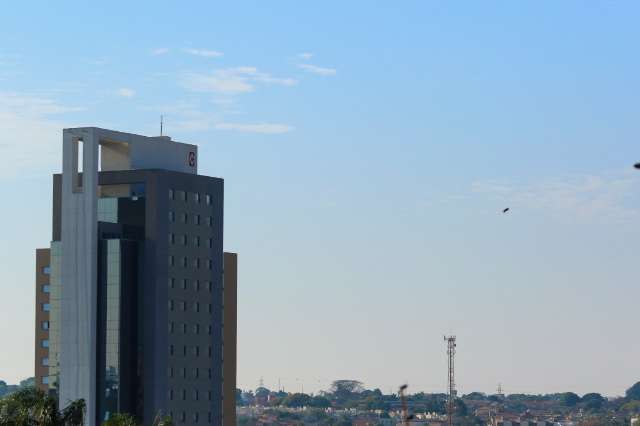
x: 115, y: 165
x: 42, y: 318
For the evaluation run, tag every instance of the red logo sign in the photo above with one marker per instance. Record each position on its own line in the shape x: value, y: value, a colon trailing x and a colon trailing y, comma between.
x: 192, y: 159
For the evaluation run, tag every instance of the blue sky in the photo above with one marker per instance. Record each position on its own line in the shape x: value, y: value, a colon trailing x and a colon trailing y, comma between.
x: 367, y: 151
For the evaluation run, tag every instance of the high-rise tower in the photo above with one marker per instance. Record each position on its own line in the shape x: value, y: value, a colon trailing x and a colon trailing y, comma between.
x: 140, y: 298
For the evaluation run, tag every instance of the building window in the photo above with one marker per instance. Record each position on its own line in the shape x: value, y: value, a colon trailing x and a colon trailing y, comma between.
x: 196, y: 197
x: 183, y: 305
x: 45, y: 380
x: 183, y: 415
x: 44, y: 343
x: 210, y: 286
x: 210, y: 352
x: 171, y: 305
x: 172, y: 216
x: 183, y: 217
x: 183, y: 371
x: 46, y: 307
x: 210, y: 242
x: 46, y: 270
x: 170, y: 371
x: 209, y: 328
x: 196, y: 373
x: 184, y: 397
x: 196, y: 350
x: 172, y: 282
x: 196, y: 285
x: 207, y: 199
x: 184, y: 328
x: 184, y: 352
x: 170, y: 394
x: 172, y: 238
x: 209, y: 414
x: 46, y: 288
x: 209, y: 373
x: 182, y: 196
x: 171, y: 194
x: 196, y: 306
x: 45, y: 325
x: 209, y: 395
x: 171, y: 327
x: 171, y: 261
x: 196, y: 396
x: 195, y: 415
x: 210, y: 221
x: 209, y: 264
x: 44, y: 361
x: 184, y: 262
x: 196, y: 328
x: 196, y: 263
x: 210, y: 308
x: 184, y: 239
x: 184, y: 283
x: 171, y: 350
x: 196, y: 241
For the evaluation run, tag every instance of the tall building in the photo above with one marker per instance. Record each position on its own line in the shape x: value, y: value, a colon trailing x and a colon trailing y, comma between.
x: 135, y: 299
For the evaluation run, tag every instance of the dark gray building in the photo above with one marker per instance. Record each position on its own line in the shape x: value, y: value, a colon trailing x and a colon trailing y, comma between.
x: 137, y: 282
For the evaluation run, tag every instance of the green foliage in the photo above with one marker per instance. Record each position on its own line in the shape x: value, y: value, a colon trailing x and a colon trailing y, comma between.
x: 569, y: 399
x: 121, y: 419
x: 593, y: 401
x: 634, y: 392
x: 30, y: 406
x: 296, y: 400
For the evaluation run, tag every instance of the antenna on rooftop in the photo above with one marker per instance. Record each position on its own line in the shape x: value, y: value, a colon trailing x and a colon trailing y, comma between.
x: 161, y: 123
x: 451, y: 352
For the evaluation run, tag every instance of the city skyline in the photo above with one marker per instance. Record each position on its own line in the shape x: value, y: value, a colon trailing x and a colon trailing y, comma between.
x: 368, y: 152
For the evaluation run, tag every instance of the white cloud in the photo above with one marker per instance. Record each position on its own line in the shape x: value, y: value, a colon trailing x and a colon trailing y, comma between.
x: 305, y: 56
x: 31, y: 137
x: 266, y: 128
x: 587, y: 198
x: 317, y: 70
x: 232, y: 81
x: 126, y: 93
x: 160, y: 51
x: 204, y: 53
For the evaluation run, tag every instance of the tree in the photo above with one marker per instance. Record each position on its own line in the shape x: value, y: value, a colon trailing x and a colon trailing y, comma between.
x: 296, y: 400
x: 121, y: 419
x: 343, y: 389
x: 634, y: 392
x: 593, y: 401
x: 73, y: 414
x: 569, y: 399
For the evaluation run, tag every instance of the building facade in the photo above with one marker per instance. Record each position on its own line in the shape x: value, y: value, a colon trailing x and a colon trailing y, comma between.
x: 138, y: 309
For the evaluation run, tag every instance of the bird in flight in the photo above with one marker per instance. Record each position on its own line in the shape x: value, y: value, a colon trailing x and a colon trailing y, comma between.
x: 505, y: 210
x: 637, y: 165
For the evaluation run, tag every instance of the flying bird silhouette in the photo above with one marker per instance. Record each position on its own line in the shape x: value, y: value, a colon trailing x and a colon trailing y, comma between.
x: 505, y: 210
x: 637, y: 165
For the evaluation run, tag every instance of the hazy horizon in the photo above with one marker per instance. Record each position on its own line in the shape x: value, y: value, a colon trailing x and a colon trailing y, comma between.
x: 368, y: 152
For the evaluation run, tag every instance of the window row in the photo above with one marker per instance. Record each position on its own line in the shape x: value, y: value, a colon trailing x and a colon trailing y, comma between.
x: 183, y: 417
x: 184, y: 240
x: 196, y: 262
x: 197, y: 284
x: 196, y: 219
x: 195, y: 373
x: 182, y: 305
x: 195, y: 351
x: 189, y: 196
x: 184, y: 328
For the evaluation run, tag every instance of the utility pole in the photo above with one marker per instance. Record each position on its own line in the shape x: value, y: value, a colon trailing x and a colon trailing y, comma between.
x: 451, y: 352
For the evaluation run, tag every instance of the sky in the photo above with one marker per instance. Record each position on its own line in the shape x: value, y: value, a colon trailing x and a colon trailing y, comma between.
x: 368, y: 149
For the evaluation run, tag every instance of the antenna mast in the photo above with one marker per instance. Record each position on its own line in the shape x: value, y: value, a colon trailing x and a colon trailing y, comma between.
x: 161, y: 123
x: 451, y: 352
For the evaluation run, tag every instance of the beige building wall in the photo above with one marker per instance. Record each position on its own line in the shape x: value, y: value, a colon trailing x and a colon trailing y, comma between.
x: 229, y: 338
x: 42, y: 317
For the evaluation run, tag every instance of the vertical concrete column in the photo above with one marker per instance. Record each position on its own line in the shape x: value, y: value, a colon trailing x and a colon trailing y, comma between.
x: 79, y: 269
